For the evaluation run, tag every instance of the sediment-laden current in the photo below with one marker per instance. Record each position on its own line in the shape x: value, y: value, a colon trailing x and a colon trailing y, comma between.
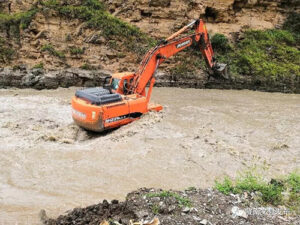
x: 47, y: 162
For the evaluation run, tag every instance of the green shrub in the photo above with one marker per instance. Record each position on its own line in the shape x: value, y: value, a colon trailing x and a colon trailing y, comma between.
x: 87, y: 66
x: 39, y: 66
x: 76, y: 51
x: 50, y: 3
x: 268, y: 55
x: 220, y: 42
x: 19, y: 20
x: 94, y: 4
x: 226, y: 187
x: 6, y: 52
x: 182, y: 201
x: 155, y: 209
x: 292, y: 22
x: 51, y: 50
x: 271, y: 192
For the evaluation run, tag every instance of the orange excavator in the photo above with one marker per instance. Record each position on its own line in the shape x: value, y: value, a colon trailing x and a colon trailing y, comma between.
x: 124, y: 98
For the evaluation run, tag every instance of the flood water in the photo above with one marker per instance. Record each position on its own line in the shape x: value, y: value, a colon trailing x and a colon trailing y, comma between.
x: 47, y: 162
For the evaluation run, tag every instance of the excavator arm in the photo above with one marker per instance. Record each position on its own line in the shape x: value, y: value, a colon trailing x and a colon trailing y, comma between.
x: 170, y: 47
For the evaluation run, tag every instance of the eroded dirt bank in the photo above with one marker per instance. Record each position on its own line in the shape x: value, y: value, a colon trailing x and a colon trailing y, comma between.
x: 49, y: 163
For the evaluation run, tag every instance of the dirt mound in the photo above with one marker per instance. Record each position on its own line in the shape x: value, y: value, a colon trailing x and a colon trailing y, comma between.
x: 193, y: 206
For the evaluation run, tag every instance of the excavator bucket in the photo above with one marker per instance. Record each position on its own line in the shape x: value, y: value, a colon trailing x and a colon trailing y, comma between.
x: 220, y: 69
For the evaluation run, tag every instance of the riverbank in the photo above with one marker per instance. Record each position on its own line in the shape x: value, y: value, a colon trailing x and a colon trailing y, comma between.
x: 37, y: 78
x: 192, y: 206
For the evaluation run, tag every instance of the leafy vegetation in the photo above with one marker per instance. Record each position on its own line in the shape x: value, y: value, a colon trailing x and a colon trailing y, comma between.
x: 12, y: 24
x: 39, y: 66
x: 292, y: 24
x: 51, y: 50
x: 220, y: 43
x: 155, y: 209
x: 182, y: 201
x: 87, y: 66
x: 270, y: 192
x: 18, y: 21
x: 268, y: 55
x: 6, y: 53
x: 76, y: 51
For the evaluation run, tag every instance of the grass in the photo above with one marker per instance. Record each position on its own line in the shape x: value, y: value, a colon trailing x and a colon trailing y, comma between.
x: 155, y: 209
x: 12, y: 24
x: 182, y: 201
x: 292, y: 24
x: 19, y: 20
x: 268, y: 55
x: 87, y: 66
x: 220, y: 43
x: 6, y: 52
x: 39, y: 66
x: 52, y: 51
x: 76, y: 51
x: 270, y: 192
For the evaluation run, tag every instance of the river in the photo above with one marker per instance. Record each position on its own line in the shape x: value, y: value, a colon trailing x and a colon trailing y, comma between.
x: 47, y: 162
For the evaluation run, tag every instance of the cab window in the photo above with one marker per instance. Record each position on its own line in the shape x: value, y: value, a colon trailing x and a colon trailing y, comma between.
x: 125, y: 87
x: 115, y: 83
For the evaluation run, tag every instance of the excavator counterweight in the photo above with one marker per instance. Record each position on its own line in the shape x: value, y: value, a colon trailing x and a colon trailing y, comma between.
x: 124, y: 98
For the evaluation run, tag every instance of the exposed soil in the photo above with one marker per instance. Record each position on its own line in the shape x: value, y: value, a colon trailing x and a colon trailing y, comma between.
x: 206, y: 207
x: 157, y: 18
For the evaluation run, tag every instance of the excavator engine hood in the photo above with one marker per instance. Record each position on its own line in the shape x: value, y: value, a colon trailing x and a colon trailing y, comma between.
x: 87, y: 115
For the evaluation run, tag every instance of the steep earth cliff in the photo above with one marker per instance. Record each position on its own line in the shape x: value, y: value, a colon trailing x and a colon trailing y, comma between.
x: 90, y: 34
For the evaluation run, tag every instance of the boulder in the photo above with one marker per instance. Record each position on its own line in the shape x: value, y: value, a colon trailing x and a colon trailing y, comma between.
x: 160, y: 3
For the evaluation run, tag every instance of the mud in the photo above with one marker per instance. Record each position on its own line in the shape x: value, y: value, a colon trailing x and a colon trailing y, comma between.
x: 49, y: 163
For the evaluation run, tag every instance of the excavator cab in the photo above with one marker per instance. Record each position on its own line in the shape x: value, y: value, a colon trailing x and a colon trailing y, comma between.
x: 118, y: 83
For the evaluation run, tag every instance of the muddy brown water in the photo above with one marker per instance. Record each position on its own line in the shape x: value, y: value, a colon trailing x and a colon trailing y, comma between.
x: 46, y: 162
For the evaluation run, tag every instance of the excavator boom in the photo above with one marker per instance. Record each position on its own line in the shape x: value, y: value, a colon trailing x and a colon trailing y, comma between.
x: 123, y: 97
x: 170, y: 47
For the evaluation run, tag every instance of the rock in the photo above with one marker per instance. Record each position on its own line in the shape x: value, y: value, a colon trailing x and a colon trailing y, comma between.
x: 37, y: 71
x: 159, y: 3
x: 41, y: 34
x: 142, y: 214
x: 95, y: 38
x: 136, y: 16
x: 43, y: 216
x: 171, y: 208
x: 30, y: 80
x: 79, y: 29
x: 155, y: 199
x: 186, y: 209
x: 111, y: 55
x: 203, y: 222
x: 236, y: 212
x: 114, y: 201
x: 196, y: 218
